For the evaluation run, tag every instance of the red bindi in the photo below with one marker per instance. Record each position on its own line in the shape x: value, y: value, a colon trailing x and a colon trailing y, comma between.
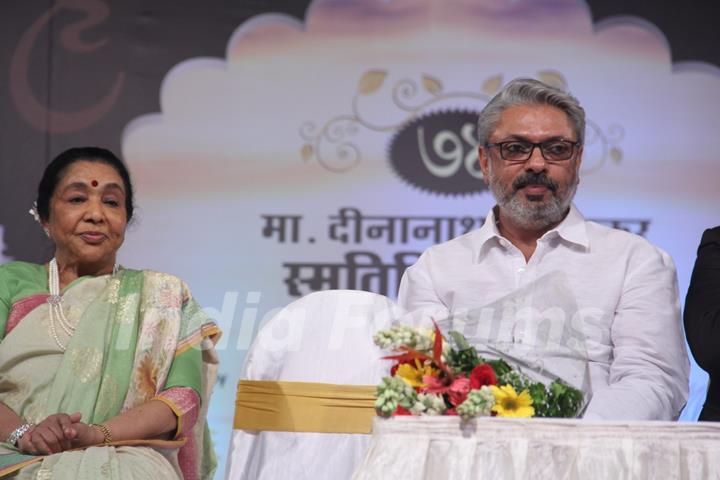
x: 94, y: 183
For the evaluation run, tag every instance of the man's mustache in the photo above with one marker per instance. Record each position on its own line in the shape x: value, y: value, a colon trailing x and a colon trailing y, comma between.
x: 534, y: 178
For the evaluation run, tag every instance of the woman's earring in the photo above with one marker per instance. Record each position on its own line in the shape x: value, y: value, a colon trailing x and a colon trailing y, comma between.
x: 47, y: 232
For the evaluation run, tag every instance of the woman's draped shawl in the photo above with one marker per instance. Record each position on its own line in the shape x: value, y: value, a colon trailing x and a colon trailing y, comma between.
x: 144, y: 334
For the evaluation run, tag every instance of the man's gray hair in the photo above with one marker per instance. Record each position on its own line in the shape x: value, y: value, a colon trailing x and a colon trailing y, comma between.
x: 527, y: 91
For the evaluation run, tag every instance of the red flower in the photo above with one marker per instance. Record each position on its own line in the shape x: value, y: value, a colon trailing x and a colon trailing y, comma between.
x: 402, y: 411
x: 481, y: 375
x: 458, y: 391
x: 451, y: 411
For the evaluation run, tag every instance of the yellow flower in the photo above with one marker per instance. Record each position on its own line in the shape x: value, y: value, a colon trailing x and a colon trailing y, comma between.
x: 509, y: 404
x: 413, y: 376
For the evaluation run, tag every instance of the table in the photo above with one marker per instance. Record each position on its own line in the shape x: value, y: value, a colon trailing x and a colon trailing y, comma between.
x: 502, y: 448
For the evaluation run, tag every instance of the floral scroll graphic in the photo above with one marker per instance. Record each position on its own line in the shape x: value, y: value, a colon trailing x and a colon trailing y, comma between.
x: 334, y: 146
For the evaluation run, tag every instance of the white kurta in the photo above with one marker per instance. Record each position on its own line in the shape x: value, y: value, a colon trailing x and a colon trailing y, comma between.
x: 601, y: 293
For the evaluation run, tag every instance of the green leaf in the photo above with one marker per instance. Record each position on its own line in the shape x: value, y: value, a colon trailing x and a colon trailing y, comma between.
x: 557, y: 388
x: 539, y: 397
x: 463, y: 360
x: 459, y: 340
x: 500, y: 366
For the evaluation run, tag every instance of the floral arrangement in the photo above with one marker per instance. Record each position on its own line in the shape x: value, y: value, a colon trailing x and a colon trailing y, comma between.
x: 434, y: 376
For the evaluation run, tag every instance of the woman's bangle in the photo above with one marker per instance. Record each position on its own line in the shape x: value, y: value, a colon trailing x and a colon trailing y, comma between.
x: 105, y: 431
x: 18, y: 433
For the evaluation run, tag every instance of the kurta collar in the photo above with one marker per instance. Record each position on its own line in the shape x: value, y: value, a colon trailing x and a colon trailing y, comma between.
x: 572, y: 229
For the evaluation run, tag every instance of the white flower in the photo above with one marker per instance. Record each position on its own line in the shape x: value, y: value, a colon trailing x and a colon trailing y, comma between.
x: 391, y: 392
x: 428, y: 404
x: 402, y: 335
x: 478, y: 403
x: 34, y: 212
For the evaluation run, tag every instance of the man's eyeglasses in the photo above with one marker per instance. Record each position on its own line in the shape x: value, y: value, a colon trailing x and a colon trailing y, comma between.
x: 517, y: 151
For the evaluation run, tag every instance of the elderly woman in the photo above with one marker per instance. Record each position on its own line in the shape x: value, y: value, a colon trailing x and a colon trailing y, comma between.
x: 104, y: 371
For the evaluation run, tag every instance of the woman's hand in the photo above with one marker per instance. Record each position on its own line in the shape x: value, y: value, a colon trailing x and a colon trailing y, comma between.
x: 86, y: 436
x: 54, y: 434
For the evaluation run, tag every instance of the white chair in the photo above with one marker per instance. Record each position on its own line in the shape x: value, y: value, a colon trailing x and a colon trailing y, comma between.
x: 325, y: 337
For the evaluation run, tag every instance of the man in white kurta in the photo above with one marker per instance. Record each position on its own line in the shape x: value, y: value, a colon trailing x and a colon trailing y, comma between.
x: 537, y: 263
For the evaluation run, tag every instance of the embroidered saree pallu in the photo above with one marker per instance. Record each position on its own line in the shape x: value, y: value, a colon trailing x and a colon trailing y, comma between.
x: 139, y: 336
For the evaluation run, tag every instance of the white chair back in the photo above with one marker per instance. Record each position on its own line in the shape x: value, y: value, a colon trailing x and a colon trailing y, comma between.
x: 324, y: 337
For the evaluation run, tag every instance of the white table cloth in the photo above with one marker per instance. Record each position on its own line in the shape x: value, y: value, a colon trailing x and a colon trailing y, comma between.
x: 404, y: 448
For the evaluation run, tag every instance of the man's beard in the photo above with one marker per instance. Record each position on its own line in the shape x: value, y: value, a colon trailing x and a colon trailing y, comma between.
x: 533, y: 214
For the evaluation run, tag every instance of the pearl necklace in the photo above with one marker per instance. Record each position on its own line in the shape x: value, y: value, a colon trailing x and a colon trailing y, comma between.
x: 55, y: 300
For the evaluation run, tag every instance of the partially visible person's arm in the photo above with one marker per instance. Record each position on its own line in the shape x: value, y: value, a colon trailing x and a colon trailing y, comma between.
x: 9, y: 421
x: 172, y: 413
x: 417, y: 294
x: 702, y: 304
x: 648, y: 377
x: 59, y: 432
x: 153, y: 419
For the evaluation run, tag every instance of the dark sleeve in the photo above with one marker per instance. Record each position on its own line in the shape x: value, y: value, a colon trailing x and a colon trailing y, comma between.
x: 702, y: 305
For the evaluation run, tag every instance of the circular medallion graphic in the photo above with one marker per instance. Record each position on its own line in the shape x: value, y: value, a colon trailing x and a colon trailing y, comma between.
x: 437, y: 153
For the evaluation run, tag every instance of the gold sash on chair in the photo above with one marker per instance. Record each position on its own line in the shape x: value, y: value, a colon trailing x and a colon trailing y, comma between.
x: 304, y: 407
